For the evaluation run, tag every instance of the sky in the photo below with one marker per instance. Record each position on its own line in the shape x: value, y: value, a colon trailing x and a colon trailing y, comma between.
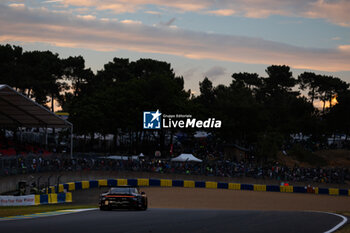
x: 200, y: 38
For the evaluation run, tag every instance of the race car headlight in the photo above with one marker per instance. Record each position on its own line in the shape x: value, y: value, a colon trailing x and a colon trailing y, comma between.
x: 106, y: 202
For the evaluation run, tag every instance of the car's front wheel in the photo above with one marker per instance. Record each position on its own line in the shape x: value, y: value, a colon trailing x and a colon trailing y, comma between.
x: 144, y: 206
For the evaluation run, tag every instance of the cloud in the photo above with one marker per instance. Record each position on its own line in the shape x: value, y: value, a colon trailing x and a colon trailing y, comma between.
x: 129, y: 21
x: 344, y: 47
x: 215, y: 72
x: 190, y: 73
x: 153, y: 12
x: 66, y: 29
x: 87, y: 17
x: 117, y: 7
x: 336, y: 11
x: 263, y: 13
x: 52, y: 1
x: 222, y: 12
x: 17, y: 5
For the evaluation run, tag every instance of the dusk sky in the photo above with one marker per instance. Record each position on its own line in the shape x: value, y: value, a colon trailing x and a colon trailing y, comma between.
x: 212, y: 38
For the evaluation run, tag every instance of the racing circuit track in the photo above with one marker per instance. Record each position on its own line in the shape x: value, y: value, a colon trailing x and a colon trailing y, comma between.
x: 196, y: 210
x: 176, y: 220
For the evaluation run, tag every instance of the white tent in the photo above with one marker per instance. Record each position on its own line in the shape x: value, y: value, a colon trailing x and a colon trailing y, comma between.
x: 186, y: 158
x: 120, y: 157
x: 200, y: 134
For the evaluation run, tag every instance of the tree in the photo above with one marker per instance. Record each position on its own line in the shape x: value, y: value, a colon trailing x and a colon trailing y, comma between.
x: 119, y: 70
x: 339, y: 115
x: 255, y: 111
x: 309, y: 81
x: 44, y: 69
x: 242, y: 115
x: 279, y: 78
x: 75, y: 72
x: 249, y: 80
x: 116, y: 97
x: 9, y: 65
x: 37, y: 74
x: 206, y: 97
x: 329, y: 88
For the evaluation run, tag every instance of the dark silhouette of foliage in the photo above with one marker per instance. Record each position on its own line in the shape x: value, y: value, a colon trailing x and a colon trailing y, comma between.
x: 258, y: 112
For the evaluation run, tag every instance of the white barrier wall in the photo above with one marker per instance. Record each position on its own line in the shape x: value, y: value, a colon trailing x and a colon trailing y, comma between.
x: 17, y: 200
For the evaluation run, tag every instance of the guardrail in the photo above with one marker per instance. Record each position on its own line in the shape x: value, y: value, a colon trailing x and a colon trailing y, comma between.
x: 145, y: 182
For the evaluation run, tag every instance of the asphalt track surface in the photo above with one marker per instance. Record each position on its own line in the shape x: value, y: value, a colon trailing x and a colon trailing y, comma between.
x: 176, y: 220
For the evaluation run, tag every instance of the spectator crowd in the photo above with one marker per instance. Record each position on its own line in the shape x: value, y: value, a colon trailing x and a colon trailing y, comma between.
x: 220, y: 168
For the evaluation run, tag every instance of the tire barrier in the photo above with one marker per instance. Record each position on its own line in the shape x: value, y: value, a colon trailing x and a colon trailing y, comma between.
x: 53, y: 198
x: 259, y: 187
x: 286, y: 189
x: 234, y: 186
x: 275, y: 188
x: 211, y: 185
x: 145, y: 182
x: 42, y: 199
x: 166, y: 183
x: 188, y: 183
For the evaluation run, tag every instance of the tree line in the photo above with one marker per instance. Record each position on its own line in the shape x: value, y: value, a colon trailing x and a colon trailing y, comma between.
x: 257, y: 112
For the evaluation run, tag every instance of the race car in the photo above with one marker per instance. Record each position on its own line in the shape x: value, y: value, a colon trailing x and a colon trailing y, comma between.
x: 123, y: 197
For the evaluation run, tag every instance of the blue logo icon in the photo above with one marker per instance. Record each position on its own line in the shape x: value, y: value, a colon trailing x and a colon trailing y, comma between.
x: 151, y: 120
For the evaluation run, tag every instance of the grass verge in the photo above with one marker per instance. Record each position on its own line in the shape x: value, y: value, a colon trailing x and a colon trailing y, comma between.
x: 7, y: 211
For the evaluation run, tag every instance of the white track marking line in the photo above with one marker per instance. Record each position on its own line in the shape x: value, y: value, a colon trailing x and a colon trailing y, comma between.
x: 45, y: 214
x: 345, y: 219
x: 78, y: 210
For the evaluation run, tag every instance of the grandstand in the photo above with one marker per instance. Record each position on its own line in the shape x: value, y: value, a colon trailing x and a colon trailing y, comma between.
x: 18, y: 111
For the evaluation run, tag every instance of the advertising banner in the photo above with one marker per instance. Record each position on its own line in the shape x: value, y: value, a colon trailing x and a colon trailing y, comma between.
x: 17, y: 200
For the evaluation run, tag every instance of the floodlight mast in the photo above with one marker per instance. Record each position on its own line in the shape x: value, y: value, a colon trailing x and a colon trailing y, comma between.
x: 71, y: 141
